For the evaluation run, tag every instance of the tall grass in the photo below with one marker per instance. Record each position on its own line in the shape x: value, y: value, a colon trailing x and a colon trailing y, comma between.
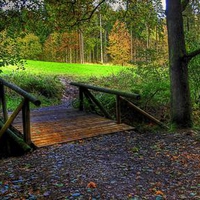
x: 47, y: 88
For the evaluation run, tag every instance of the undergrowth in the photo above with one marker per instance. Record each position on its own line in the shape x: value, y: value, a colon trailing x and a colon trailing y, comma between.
x: 152, y: 83
x: 47, y: 89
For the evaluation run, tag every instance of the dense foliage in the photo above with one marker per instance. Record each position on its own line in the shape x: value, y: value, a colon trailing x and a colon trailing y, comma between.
x: 83, y: 32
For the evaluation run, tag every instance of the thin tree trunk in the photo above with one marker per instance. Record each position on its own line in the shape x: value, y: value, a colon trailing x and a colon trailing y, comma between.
x: 97, y: 53
x: 101, y: 38
x: 131, y: 44
x: 81, y: 47
x: 70, y: 55
x: 66, y: 55
x: 105, y: 46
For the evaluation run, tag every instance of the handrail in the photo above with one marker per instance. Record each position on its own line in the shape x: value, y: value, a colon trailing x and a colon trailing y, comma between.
x: 21, y: 92
x: 83, y: 89
x: 106, y: 90
x: 23, y: 106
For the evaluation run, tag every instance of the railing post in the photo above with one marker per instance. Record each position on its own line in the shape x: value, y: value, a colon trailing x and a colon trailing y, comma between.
x: 118, y: 109
x: 3, y: 101
x: 80, y: 98
x: 26, y: 121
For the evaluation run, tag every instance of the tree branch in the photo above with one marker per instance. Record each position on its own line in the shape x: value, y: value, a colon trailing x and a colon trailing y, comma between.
x: 191, y: 55
x: 88, y: 15
x: 184, y: 4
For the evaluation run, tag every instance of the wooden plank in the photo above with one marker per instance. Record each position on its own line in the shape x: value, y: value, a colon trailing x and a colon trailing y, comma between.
x: 26, y: 121
x: 49, y: 127
x: 103, y: 110
x: 3, y: 101
x: 118, y: 109
x: 145, y: 113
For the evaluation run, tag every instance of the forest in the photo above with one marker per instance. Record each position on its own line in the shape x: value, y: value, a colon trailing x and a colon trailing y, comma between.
x: 126, y: 33
x: 53, y: 35
x: 145, y: 49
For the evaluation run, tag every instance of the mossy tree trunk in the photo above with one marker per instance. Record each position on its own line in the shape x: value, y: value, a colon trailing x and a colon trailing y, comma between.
x: 178, y: 60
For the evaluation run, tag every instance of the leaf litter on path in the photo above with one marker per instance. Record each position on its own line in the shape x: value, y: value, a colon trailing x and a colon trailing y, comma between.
x: 125, y: 165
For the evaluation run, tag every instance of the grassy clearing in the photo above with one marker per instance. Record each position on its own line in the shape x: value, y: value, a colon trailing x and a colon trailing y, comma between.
x: 66, y: 69
x: 41, y: 79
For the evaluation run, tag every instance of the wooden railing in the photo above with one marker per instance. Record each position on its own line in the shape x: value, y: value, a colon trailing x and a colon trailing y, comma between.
x: 24, y: 106
x: 120, y: 96
x: 84, y: 90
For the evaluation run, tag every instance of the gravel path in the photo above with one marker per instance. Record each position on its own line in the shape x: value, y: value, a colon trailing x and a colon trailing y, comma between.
x: 125, y: 165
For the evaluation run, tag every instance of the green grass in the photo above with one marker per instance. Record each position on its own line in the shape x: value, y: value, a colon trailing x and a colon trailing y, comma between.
x: 66, y: 69
x: 41, y: 78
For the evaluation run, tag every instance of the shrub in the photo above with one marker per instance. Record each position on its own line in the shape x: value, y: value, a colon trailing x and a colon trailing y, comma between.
x: 151, y: 82
x: 48, y: 89
x: 30, y: 47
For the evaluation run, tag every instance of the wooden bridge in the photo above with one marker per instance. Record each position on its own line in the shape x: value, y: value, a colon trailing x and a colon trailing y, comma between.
x: 47, y: 126
x: 53, y: 125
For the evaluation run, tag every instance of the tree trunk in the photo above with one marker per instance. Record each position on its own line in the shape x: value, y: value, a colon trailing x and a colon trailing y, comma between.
x: 70, y: 55
x: 180, y: 92
x: 105, y: 46
x: 131, y: 44
x: 81, y: 39
x: 101, y: 38
x: 66, y: 59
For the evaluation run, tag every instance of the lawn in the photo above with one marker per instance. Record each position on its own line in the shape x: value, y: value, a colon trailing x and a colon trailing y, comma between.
x: 41, y: 79
x: 66, y: 69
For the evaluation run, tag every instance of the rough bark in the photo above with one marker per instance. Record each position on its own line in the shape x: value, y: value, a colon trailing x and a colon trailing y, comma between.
x: 180, y: 92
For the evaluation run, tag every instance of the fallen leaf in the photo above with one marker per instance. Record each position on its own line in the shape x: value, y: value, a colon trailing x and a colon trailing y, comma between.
x: 159, y: 193
x: 91, y: 185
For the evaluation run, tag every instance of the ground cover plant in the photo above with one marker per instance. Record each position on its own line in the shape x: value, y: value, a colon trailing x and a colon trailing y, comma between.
x: 48, y: 89
x: 152, y: 83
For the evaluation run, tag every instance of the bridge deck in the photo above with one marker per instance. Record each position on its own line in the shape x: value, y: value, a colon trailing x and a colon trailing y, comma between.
x: 59, y: 125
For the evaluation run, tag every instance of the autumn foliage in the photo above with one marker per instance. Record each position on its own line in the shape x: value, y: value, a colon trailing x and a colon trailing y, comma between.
x: 119, y: 43
x: 91, y: 185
